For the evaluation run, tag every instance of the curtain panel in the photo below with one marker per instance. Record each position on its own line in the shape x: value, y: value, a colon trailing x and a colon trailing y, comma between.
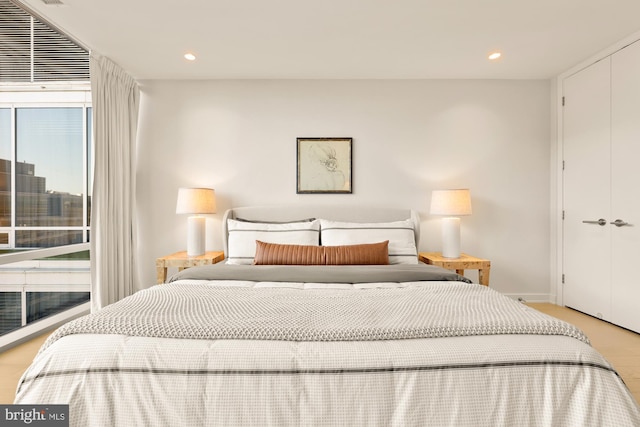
x: 115, y: 99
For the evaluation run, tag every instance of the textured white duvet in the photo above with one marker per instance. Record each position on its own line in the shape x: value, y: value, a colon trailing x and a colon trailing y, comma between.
x: 303, y: 312
x: 499, y: 379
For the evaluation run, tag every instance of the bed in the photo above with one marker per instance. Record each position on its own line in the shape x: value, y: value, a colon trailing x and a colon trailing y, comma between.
x: 304, y: 325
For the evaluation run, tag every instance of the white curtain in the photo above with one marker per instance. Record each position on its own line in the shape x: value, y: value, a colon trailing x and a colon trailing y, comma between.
x: 115, y: 99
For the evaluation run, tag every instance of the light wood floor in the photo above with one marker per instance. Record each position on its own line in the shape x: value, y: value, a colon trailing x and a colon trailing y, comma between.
x: 619, y: 346
x: 13, y: 363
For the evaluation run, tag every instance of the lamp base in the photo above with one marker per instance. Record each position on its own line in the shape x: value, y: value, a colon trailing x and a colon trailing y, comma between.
x: 451, y: 237
x: 196, y: 240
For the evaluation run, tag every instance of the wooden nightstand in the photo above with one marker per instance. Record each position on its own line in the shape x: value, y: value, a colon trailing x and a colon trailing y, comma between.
x: 465, y: 262
x: 182, y: 261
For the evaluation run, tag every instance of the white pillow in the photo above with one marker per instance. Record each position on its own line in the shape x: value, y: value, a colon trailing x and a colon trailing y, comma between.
x: 243, y: 236
x: 400, y: 234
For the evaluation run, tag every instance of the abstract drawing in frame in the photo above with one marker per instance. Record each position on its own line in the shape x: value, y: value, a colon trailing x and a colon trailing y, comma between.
x: 324, y: 165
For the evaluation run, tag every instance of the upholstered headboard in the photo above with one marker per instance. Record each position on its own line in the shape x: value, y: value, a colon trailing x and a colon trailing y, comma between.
x: 351, y: 213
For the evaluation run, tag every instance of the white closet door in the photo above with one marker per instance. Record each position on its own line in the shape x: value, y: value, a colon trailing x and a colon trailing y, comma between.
x: 625, y: 186
x: 586, y: 145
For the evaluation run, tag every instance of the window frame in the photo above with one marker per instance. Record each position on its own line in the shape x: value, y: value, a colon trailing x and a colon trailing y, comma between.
x: 13, y: 97
x: 53, y: 99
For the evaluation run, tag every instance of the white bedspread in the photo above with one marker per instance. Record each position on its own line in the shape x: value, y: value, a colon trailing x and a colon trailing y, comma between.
x: 302, y: 312
x: 507, y: 379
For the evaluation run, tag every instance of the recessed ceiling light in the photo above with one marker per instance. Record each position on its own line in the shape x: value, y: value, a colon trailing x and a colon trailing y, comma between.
x: 189, y: 56
x: 495, y: 55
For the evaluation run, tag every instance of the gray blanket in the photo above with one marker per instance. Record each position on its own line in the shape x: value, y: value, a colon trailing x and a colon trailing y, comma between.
x: 194, y: 309
x: 321, y: 274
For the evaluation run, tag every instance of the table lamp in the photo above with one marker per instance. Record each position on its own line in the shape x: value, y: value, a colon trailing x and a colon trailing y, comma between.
x: 196, y: 202
x: 451, y: 204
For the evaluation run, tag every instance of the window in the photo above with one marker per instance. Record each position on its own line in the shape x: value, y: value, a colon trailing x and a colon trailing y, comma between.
x: 49, y: 173
x: 5, y: 175
x: 45, y: 175
x: 38, y: 290
x: 10, y: 306
x: 47, y: 205
x: 35, y: 51
x: 44, y: 184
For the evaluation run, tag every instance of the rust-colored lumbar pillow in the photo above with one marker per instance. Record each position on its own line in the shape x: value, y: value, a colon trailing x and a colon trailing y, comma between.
x: 363, y: 254
x: 281, y: 254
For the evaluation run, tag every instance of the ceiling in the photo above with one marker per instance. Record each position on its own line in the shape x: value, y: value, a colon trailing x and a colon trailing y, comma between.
x: 344, y: 39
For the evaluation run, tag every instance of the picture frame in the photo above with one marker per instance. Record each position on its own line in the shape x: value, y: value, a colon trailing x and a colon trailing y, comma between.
x: 324, y: 165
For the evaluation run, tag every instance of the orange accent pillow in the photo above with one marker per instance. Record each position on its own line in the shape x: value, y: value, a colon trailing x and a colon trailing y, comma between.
x: 281, y: 254
x: 363, y: 254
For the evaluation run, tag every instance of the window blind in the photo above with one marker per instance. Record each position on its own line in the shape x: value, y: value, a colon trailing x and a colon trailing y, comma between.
x: 31, y: 51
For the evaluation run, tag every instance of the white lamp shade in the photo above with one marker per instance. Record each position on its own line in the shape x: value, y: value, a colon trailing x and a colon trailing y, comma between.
x: 451, y: 202
x: 196, y: 201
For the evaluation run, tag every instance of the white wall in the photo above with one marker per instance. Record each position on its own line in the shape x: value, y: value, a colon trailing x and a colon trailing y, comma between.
x: 409, y: 137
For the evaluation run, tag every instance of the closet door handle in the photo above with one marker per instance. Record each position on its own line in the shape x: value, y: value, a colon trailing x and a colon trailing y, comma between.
x: 601, y: 222
x: 619, y: 223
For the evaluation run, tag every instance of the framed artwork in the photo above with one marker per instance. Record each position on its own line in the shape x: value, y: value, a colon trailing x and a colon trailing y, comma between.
x: 324, y: 165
